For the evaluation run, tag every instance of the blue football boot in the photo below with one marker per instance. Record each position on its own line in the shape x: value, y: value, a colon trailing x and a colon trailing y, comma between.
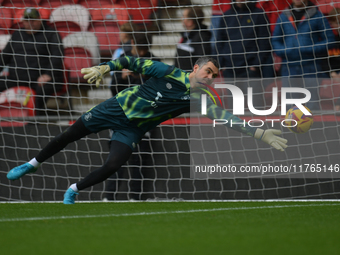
x: 20, y: 171
x: 69, y: 196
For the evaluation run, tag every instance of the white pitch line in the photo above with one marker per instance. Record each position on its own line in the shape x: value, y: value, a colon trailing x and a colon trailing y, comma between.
x: 178, y: 201
x: 158, y: 213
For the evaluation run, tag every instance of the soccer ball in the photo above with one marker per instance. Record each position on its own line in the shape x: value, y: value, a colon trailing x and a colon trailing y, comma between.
x: 304, y: 122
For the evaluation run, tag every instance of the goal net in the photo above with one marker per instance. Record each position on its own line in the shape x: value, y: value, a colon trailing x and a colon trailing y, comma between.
x: 185, y: 158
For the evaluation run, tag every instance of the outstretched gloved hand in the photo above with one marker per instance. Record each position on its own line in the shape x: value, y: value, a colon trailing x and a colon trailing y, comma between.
x: 270, y: 137
x: 95, y: 73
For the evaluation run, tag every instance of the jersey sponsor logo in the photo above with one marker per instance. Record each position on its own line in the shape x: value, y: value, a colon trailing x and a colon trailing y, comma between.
x: 169, y: 86
x: 88, y: 116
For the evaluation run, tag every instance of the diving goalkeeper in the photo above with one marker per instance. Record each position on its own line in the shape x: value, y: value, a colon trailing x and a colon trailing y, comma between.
x: 136, y: 110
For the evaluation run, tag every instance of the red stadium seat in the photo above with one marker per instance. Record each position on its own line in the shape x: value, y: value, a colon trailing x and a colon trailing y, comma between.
x: 110, y: 13
x: 139, y: 11
x: 329, y: 93
x: 77, y: 58
x: 17, y: 20
x: 325, y: 6
x: 6, y: 20
x: 107, y: 34
x: 104, y: 24
x: 68, y: 19
x: 66, y: 27
x: 21, y: 3
x: 45, y: 13
x: 96, y: 3
x: 81, y: 50
x: 16, y: 102
x: 19, y: 101
x: 53, y: 4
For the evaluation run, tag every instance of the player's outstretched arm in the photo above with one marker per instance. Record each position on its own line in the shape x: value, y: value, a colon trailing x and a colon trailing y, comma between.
x: 143, y: 66
x: 270, y: 137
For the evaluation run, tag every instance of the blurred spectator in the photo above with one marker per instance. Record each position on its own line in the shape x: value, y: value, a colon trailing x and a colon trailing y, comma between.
x: 302, y: 36
x: 140, y: 44
x: 34, y: 57
x: 332, y: 64
x: 125, y: 36
x: 141, y: 12
x: 195, y: 41
x: 273, y: 9
x: 161, y: 12
x: 219, y: 7
x: 244, y: 47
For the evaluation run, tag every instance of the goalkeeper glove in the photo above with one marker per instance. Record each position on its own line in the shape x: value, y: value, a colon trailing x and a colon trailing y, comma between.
x: 95, y: 73
x: 269, y: 136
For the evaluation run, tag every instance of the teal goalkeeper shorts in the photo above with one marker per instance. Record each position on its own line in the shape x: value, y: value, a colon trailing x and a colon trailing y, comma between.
x: 109, y: 115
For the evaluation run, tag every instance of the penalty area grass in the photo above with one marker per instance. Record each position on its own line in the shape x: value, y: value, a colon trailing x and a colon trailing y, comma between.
x: 171, y: 228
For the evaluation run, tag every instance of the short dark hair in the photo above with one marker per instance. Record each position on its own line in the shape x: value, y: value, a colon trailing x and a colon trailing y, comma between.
x: 142, y: 40
x: 196, y: 13
x: 129, y: 28
x: 204, y: 60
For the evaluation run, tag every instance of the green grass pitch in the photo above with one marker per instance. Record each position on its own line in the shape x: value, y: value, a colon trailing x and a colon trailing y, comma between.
x: 171, y: 228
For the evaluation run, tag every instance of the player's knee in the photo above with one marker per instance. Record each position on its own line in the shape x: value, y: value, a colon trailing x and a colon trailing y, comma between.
x: 113, y: 165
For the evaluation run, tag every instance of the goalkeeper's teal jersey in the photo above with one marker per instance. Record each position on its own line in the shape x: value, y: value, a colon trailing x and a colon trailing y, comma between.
x: 164, y: 96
